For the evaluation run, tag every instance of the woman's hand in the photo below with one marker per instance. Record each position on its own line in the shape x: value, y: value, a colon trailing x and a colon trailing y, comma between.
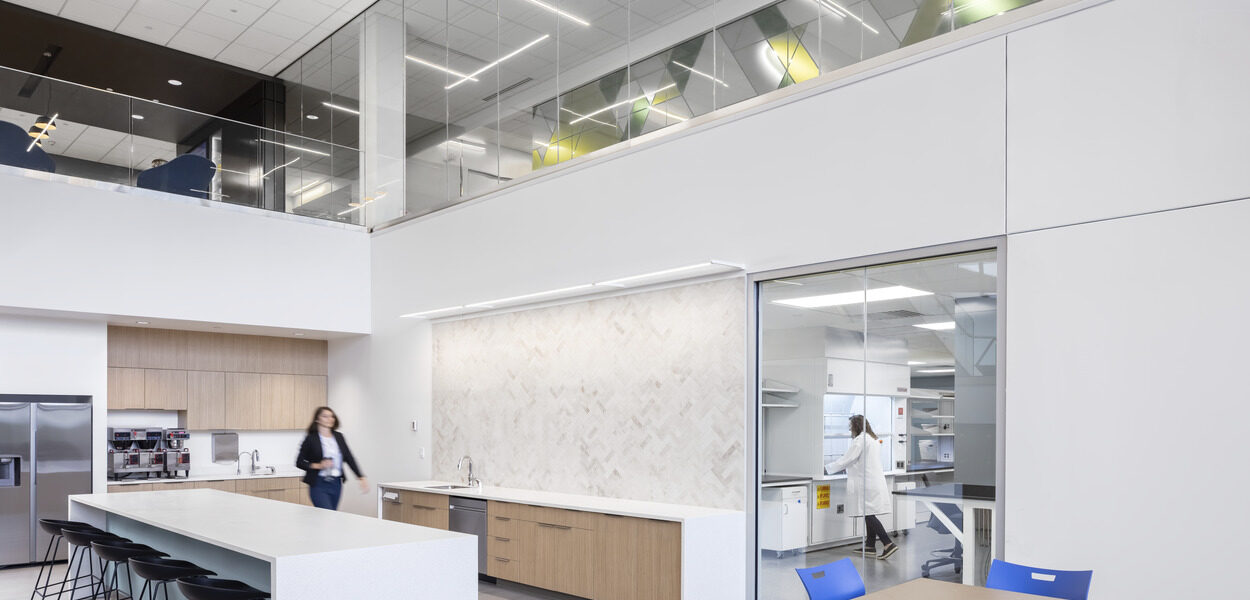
x: 322, y: 465
x: 364, y: 485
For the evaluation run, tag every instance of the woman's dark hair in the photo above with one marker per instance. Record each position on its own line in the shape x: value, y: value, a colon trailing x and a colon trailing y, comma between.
x: 858, y: 425
x: 312, y: 428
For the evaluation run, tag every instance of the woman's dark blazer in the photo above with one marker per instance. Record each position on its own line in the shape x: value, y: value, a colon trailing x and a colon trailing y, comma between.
x: 310, y: 452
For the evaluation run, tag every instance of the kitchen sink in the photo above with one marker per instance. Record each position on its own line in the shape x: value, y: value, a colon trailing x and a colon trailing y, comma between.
x: 446, y: 487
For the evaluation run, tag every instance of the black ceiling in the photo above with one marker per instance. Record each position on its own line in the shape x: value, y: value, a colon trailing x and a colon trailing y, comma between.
x: 104, y: 59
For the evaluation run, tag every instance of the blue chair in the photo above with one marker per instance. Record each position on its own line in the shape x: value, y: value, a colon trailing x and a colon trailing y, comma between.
x: 14, y: 143
x: 187, y: 175
x: 837, y: 580
x: 1071, y: 585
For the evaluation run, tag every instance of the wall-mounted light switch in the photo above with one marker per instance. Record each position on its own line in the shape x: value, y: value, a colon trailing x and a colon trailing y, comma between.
x: 421, y: 453
x: 414, y: 424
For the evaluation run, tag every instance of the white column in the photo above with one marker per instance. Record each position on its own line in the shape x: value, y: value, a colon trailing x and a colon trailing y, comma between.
x: 382, y: 112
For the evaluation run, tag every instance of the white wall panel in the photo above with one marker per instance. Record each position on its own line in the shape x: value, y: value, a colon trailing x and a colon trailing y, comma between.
x: 909, y: 158
x: 1128, y: 107
x: 60, y: 357
x: 1124, y: 341
x: 89, y: 250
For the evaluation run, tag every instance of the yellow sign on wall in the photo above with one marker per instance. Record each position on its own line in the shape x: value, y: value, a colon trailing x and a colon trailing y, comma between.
x: 822, y: 496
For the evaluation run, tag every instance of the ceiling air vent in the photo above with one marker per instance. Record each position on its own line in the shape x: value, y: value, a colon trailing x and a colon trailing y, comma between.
x: 508, y: 89
x: 895, y: 314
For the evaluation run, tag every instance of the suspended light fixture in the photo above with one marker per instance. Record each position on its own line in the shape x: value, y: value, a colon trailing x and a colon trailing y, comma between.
x: 37, y: 132
x: 45, y: 123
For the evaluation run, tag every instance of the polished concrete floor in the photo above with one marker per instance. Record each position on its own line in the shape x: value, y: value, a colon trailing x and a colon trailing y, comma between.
x: 778, y: 581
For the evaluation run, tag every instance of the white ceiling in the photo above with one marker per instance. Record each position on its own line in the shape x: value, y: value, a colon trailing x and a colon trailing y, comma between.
x: 264, y: 36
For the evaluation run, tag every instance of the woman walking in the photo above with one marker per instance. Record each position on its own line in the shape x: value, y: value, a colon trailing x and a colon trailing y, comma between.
x: 322, y: 456
x: 866, y: 493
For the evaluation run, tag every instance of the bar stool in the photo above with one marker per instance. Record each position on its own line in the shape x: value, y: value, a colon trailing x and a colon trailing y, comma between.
x: 199, y: 587
x: 159, y: 571
x: 81, y: 540
x: 118, y: 554
x: 53, y: 527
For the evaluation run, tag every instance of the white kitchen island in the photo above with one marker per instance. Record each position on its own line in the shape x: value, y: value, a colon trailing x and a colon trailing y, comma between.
x: 289, y: 550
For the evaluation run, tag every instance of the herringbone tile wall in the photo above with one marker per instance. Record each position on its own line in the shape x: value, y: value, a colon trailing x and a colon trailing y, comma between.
x: 637, y: 396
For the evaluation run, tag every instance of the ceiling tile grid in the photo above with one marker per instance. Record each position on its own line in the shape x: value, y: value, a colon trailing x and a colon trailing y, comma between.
x: 258, y: 35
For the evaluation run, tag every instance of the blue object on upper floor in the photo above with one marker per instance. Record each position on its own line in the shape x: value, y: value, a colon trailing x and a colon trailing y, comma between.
x: 15, y: 150
x: 1071, y: 585
x: 188, y: 175
x: 837, y: 580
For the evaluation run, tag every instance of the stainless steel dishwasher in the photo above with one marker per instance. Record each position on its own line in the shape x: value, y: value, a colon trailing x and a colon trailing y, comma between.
x: 468, y: 515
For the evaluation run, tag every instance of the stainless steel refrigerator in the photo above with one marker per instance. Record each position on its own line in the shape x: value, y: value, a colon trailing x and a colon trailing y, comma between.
x: 45, y: 455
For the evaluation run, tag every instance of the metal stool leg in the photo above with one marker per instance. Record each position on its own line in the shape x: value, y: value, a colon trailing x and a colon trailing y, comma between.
x: 74, y: 556
x: 42, y: 590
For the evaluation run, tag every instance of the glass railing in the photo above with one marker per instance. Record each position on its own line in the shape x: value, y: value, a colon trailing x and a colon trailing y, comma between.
x: 52, y: 126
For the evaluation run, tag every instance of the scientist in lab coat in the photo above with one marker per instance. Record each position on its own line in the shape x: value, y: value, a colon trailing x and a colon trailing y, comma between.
x: 866, y: 493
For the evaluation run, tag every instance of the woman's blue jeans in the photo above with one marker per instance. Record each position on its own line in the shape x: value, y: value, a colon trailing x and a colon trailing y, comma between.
x: 325, y: 492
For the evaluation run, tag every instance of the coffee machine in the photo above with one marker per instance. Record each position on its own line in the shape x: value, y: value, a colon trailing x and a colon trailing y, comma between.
x: 177, y: 455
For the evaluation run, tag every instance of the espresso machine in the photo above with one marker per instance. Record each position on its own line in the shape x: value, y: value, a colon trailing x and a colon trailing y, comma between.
x: 177, y: 455
x: 135, y: 452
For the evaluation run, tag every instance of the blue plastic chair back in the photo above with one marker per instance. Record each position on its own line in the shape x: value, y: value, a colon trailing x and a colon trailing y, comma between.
x: 1072, y: 585
x: 837, y: 580
x: 15, y: 149
x: 188, y: 175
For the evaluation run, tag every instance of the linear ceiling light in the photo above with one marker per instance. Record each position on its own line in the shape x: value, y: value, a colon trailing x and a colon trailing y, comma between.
x: 51, y: 125
x: 670, y: 115
x: 896, y: 292
x: 843, y: 11
x: 588, y: 118
x: 942, y: 326
x: 621, y: 103
x: 267, y: 173
x: 665, y: 275
x: 342, y: 108
x: 300, y: 148
x: 308, y: 187
x: 700, y: 73
x: 553, y: 9
x: 946, y: 370
x: 505, y: 57
x: 467, y: 145
x: 439, y: 67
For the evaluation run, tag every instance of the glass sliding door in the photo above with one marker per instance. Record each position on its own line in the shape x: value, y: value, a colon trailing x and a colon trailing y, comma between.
x: 879, y: 410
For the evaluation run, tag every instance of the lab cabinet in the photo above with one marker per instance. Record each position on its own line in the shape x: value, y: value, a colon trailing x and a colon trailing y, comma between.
x: 846, y: 376
x: 930, y: 432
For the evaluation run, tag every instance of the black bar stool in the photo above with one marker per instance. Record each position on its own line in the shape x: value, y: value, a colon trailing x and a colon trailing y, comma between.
x: 204, y: 588
x: 118, y: 554
x: 81, y: 540
x: 159, y: 571
x: 53, y: 527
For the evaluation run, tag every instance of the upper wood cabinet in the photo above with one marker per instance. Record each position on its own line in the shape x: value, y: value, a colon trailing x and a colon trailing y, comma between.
x: 165, y: 389
x: 310, y: 394
x: 144, y: 348
x: 243, y: 394
x: 277, y: 401
x: 206, y: 400
x: 125, y: 388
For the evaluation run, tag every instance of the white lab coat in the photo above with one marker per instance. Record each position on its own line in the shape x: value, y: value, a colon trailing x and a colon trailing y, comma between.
x: 866, y: 492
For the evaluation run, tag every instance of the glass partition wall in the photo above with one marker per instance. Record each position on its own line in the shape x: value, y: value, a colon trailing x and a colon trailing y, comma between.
x: 878, y: 422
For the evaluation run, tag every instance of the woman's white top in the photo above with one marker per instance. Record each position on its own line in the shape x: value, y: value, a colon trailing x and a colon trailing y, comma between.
x: 866, y: 492
x: 330, y: 450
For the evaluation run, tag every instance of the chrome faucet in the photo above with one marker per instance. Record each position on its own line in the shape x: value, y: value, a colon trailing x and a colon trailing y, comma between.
x: 473, y: 481
x: 238, y: 467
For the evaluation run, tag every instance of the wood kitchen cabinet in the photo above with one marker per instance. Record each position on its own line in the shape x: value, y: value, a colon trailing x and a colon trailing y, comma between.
x: 206, y: 400
x: 277, y: 401
x: 164, y: 389
x: 426, y: 510
x: 310, y: 394
x: 564, y: 559
x: 637, y: 559
x: 225, y: 485
x: 243, y: 394
x: 125, y: 388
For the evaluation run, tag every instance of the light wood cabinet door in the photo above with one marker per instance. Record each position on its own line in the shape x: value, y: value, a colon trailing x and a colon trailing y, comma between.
x: 564, y: 559
x: 137, y: 487
x: 164, y: 349
x: 310, y: 357
x: 637, y: 559
x: 310, y: 394
x: 125, y: 388
x: 243, y: 393
x: 206, y: 400
x: 225, y: 485
x: 277, y: 355
x: 426, y: 516
x: 125, y: 346
x: 277, y: 401
x: 165, y: 389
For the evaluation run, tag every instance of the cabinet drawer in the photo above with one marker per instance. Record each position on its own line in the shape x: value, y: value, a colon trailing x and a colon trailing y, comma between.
x: 508, y: 547
x: 502, y: 511
x: 426, y: 516
x: 226, y: 485
x: 510, y: 569
x: 268, y: 484
x: 438, y: 501
x: 562, y: 518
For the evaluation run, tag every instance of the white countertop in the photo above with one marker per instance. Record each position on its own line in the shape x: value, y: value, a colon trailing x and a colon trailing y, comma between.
x: 820, y: 478
x: 210, y: 477
x: 257, y: 527
x: 613, y: 506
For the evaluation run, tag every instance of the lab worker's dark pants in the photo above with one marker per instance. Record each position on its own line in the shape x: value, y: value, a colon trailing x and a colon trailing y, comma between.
x: 876, y: 531
x: 325, y: 492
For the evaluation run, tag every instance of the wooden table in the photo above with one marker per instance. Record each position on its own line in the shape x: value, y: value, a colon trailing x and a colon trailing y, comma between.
x: 928, y: 589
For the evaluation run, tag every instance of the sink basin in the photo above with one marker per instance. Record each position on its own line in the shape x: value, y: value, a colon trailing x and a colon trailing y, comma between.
x: 446, y: 487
